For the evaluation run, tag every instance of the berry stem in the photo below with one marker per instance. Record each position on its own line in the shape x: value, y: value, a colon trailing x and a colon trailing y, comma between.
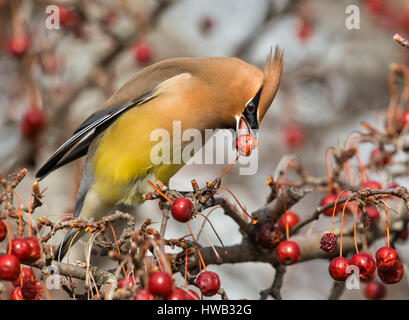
x: 361, y: 168
x: 356, y: 213
x: 287, y: 229
x: 196, y: 246
x: 29, y: 212
x: 224, y: 173
x: 160, y: 192
x: 213, y: 228
x: 342, y: 224
x: 20, y: 224
x: 117, y: 247
x: 335, y: 208
x: 253, y: 221
x: 328, y: 168
x: 387, y: 242
x: 185, y: 285
x: 8, y: 227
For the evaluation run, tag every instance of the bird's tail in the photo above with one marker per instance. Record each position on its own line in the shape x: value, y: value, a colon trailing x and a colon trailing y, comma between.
x: 71, y: 237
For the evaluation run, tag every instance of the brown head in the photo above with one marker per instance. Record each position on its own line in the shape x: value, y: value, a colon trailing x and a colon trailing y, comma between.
x: 240, y: 89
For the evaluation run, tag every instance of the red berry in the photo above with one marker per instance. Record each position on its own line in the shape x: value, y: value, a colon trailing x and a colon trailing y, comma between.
x: 35, y: 249
x: 206, y: 24
x: 32, y: 290
x: 208, y: 282
x: 371, y: 184
x: 365, y: 263
x: 329, y: 198
x: 393, y: 275
x: 182, y: 209
x: 376, y: 7
x: 178, y: 294
x: 404, y: 234
x: 386, y: 258
x: 304, y: 30
x: 16, y: 295
x: 160, y: 284
x: 18, y: 46
x: 293, y: 135
x: 9, y: 267
x: 20, y: 248
x: 268, y: 236
x: 143, y: 294
x: 69, y: 18
x: 33, y: 122
x: 380, y: 157
x: 328, y: 242
x: 338, y: 269
x: 375, y: 290
x: 26, y: 275
x: 142, y: 52
x: 404, y: 119
x: 3, y: 230
x: 245, y: 143
x: 289, y: 217
x: 192, y: 295
x: 127, y: 282
x: 288, y: 252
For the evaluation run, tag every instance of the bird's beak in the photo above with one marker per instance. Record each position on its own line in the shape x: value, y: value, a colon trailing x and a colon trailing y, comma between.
x: 243, y: 126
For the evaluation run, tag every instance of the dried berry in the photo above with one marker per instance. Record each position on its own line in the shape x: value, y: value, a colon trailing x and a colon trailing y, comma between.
x: 328, y: 242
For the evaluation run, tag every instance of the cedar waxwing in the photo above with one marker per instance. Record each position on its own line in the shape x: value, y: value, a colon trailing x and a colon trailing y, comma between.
x: 202, y: 93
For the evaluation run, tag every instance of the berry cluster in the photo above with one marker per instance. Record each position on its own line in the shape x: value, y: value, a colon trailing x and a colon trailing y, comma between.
x: 160, y: 286
x: 390, y: 269
x: 23, y: 250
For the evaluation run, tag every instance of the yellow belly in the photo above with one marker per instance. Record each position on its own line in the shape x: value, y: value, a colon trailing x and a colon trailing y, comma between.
x: 122, y: 161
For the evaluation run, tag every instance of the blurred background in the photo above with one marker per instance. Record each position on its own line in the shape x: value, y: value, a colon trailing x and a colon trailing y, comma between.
x: 334, y: 78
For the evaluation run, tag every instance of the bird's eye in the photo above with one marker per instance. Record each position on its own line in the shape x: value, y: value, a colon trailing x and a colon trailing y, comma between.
x: 251, y: 107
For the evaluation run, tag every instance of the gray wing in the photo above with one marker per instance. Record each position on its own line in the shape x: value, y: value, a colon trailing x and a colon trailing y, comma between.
x: 85, y: 134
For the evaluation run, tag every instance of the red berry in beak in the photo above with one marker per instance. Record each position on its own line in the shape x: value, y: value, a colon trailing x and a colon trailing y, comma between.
x: 9, y: 267
x: 385, y: 258
x: 208, y: 282
x: 245, y: 144
x: 365, y: 263
x: 288, y: 252
x: 182, y: 209
x: 338, y: 269
x: 160, y: 284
